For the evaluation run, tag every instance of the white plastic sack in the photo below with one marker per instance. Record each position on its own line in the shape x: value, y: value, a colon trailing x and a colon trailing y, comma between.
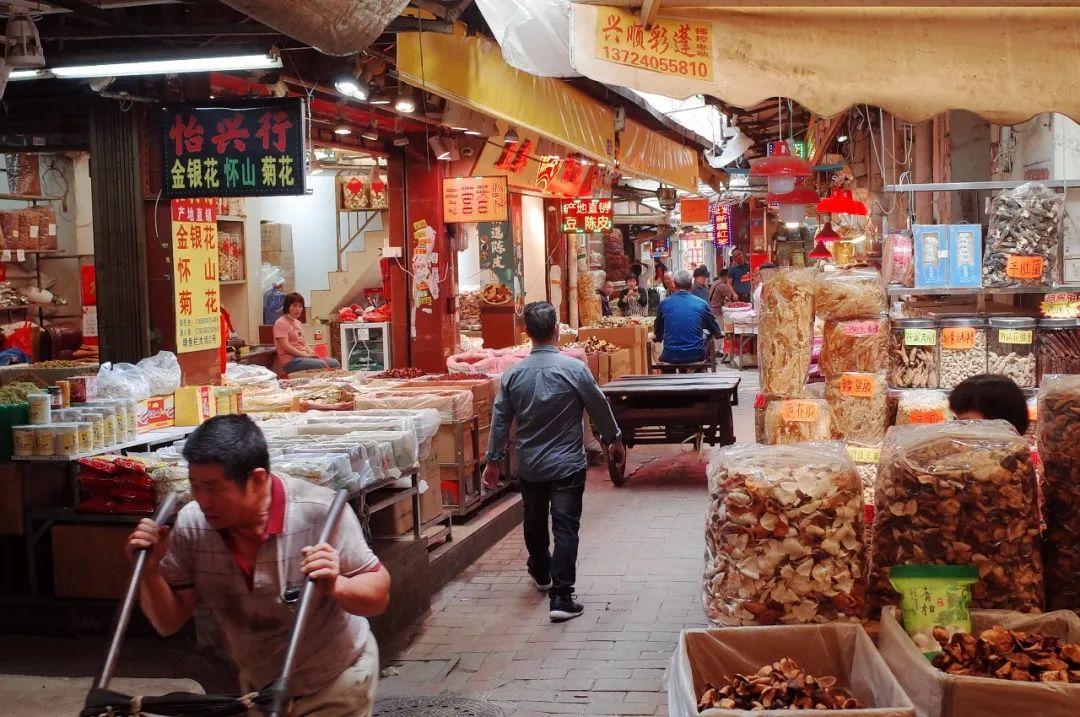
x: 534, y: 34
x: 163, y: 373
x: 123, y: 380
x: 239, y: 374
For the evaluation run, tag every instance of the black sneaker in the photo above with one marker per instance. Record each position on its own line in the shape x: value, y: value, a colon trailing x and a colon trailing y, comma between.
x: 564, y: 608
x: 543, y: 583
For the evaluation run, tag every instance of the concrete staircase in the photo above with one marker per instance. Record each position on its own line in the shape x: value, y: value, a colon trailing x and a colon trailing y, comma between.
x: 360, y: 270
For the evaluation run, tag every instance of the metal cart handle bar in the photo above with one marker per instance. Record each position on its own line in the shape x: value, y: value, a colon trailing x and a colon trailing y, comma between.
x: 281, y: 687
x: 163, y: 516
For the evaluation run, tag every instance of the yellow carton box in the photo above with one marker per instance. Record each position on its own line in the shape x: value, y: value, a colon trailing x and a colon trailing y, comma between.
x: 194, y: 404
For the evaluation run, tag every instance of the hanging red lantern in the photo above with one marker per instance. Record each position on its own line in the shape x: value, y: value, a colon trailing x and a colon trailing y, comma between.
x: 841, y: 201
x: 781, y: 168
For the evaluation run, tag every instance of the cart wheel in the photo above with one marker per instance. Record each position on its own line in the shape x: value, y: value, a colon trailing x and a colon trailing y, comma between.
x: 616, y: 471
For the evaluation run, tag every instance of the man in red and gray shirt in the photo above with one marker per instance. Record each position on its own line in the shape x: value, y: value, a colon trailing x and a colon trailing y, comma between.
x: 244, y: 548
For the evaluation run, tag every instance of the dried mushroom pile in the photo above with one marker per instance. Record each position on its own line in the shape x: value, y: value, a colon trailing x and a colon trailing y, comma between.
x: 786, y: 330
x: 1059, y: 448
x: 960, y: 493
x: 1008, y: 655
x: 783, y: 685
x: 1024, y: 222
x: 595, y: 345
x: 784, y: 536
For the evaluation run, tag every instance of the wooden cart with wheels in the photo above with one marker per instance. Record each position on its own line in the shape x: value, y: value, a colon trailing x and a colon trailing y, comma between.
x: 671, y: 409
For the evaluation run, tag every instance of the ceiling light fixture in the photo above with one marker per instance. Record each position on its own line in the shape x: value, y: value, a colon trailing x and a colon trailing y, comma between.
x: 842, y: 201
x: 405, y: 101
x: 220, y: 63
x: 439, y: 148
x: 791, y: 206
x: 780, y: 169
x: 820, y: 251
x: 827, y: 233
x: 353, y: 86
x: 341, y: 129
x: 400, y: 140
x: 372, y: 132
x: 842, y: 138
x: 511, y: 136
x: 379, y: 95
x: 23, y: 44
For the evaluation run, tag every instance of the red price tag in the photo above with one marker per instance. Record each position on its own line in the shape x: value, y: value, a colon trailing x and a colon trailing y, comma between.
x: 859, y: 385
x: 1024, y: 267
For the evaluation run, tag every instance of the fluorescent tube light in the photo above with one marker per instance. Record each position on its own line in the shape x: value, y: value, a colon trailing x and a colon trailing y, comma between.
x: 169, y: 67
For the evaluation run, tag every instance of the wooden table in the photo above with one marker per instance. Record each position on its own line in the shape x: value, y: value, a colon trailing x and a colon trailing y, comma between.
x: 672, y: 408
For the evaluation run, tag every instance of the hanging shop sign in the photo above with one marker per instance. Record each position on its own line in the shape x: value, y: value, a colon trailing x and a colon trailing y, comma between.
x: 425, y: 271
x: 693, y: 250
x: 672, y: 47
x: 694, y: 210
x: 253, y: 148
x: 195, y: 275
x: 721, y: 226
x: 567, y: 177
x: 587, y: 215
x: 498, y: 254
x: 475, y: 199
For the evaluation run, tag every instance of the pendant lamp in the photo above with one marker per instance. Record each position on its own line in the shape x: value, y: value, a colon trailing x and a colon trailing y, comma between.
x: 827, y: 233
x: 792, y: 205
x: 841, y: 201
x: 780, y: 169
x: 820, y: 251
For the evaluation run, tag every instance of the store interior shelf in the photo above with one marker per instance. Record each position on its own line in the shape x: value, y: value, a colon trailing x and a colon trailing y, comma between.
x: 897, y: 392
x: 970, y: 186
x: 975, y: 291
x: 29, y: 197
x: 230, y: 218
x: 392, y: 497
x: 150, y: 438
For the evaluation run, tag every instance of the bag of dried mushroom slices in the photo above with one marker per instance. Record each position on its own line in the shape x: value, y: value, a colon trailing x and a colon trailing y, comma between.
x: 784, y: 536
x: 960, y: 493
x: 786, y: 330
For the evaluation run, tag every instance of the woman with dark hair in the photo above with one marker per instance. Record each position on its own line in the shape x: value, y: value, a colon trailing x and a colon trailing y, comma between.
x: 292, y: 352
x: 989, y: 396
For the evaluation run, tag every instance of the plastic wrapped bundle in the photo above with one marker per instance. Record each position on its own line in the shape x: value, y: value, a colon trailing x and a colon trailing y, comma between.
x: 923, y: 408
x: 172, y: 479
x: 356, y: 453
x: 786, y: 331
x: 331, y: 470
x: 961, y: 493
x: 855, y: 345
x: 1059, y: 450
x: 425, y: 420
x: 451, y: 405
x: 850, y: 294
x: 858, y: 405
x: 1022, y: 240
x: 797, y: 420
x: 403, y: 443
x: 784, y: 536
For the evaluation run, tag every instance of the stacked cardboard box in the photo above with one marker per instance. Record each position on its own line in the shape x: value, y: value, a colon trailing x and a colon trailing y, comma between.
x: 633, y: 338
x: 277, y: 250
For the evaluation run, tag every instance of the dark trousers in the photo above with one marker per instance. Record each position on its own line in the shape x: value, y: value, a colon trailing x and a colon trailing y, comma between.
x: 562, y: 498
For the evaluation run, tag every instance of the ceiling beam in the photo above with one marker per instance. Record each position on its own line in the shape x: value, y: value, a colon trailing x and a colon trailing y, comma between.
x: 98, y: 16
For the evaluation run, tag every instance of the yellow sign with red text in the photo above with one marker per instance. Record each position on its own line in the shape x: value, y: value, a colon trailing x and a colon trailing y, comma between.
x: 672, y: 47
x: 196, y: 289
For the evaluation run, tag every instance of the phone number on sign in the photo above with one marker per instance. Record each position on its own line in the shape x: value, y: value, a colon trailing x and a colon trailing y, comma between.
x: 690, y: 68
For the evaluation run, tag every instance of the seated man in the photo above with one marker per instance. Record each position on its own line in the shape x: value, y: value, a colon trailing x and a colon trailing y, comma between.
x: 681, y: 322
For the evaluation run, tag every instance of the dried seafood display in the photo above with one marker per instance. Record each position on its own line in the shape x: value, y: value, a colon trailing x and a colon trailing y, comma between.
x: 797, y: 421
x: 1020, y: 368
x: 865, y: 456
x: 1022, y: 241
x: 858, y: 405
x: 784, y: 536
x: 961, y: 493
x: 407, y: 372
x: 783, y: 685
x: 595, y: 345
x: 1059, y: 450
x: 10, y: 296
x: 1007, y: 655
x: 922, y: 408
x: 1057, y: 347
x: 1011, y: 349
x: 624, y: 321
x: 856, y: 345
x: 786, y: 330
x: 963, y: 350
x: 850, y: 294
x: 913, y: 355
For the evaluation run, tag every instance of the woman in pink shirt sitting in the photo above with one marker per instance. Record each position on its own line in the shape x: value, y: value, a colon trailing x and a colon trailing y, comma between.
x: 293, y: 354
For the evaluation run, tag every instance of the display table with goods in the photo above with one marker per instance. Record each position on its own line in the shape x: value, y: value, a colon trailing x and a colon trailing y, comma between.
x: 672, y: 408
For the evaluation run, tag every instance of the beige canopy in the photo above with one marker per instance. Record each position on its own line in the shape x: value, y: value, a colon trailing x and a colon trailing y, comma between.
x: 1003, y: 61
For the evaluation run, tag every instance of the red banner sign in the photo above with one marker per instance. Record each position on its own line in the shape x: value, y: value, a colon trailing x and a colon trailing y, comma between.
x: 587, y: 215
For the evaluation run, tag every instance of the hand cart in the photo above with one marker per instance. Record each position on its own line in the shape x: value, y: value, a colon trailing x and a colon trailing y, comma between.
x: 272, y: 699
x: 672, y: 408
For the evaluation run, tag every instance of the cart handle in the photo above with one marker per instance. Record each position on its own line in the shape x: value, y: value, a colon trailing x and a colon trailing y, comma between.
x: 164, y: 515
x: 281, y: 686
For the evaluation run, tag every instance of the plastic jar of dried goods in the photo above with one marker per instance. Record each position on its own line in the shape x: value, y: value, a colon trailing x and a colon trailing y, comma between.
x: 1057, y: 347
x: 913, y: 353
x: 962, y: 351
x: 1011, y: 349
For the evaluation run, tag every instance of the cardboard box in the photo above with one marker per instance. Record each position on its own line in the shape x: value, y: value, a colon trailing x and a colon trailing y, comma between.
x: 620, y: 363
x: 194, y: 404
x: 393, y: 521
x: 448, y: 448
x: 937, y: 694
x: 965, y: 255
x: 596, y: 367
x: 275, y: 237
x: 841, y: 650
x: 431, y: 505
x: 89, y: 561
x: 156, y: 412
x: 634, y: 338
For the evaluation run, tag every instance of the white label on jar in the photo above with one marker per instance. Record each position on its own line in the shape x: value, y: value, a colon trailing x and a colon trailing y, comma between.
x: 24, y: 442
x: 1021, y: 337
x: 67, y: 441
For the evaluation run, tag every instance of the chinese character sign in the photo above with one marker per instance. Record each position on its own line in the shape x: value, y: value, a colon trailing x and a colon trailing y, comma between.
x: 474, y: 199
x: 501, y: 252
x: 196, y: 289
x: 589, y: 215
x: 682, y: 48
x: 242, y: 148
x: 721, y: 226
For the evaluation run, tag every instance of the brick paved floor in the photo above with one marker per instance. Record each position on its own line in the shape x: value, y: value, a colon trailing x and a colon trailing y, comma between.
x: 639, y: 572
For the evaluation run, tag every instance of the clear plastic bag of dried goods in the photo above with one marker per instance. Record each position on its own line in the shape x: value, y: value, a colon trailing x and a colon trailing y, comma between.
x: 784, y: 536
x: 798, y: 420
x: 897, y: 260
x: 923, y: 407
x: 786, y: 330
x: 850, y: 294
x: 857, y: 400
x: 854, y: 345
x: 1022, y: 241
x: 1059, y: 450
x: 960, y: 493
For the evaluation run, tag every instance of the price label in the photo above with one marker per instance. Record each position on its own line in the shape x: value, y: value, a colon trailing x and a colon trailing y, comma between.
x: 927, y: 415
x: 1024, y: 267
x: 20, y: 255
x: 861, y: 328
x: 864, y: 454
x: 1061, y: 306
x: 799, y: 411
x: 958, y: 338
x: 1022, y: 337
x: 859, y: 385
x: 1033, y: 409
x: 920, y: 337
x: 6, y: 256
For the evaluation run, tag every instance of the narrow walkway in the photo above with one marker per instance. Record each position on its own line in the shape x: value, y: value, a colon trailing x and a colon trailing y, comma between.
x: 639, y: 576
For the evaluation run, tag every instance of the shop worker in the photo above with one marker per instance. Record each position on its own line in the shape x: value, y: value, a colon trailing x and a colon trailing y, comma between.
x: 545, y: 395
x: 243, y: 548
x: 682, y: 322
x: 292, y: 352
x: 605, y: 293
x: 988, y: 397
x: 739, y: 271
x: 701, y: 283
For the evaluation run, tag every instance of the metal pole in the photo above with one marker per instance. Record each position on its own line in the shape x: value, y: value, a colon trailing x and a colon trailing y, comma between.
x: 161, y: 517
x: 281, y: 689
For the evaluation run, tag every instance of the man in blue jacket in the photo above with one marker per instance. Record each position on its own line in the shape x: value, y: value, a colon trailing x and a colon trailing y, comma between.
x: 682, y: 322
